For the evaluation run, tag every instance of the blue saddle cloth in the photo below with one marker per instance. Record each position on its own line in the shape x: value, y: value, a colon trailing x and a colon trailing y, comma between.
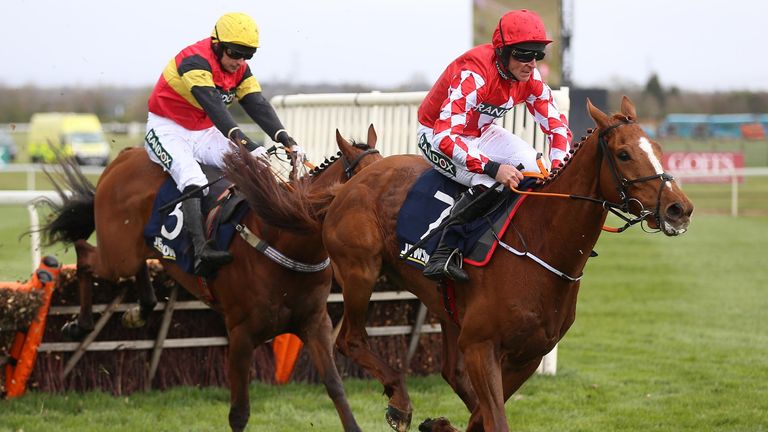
x: 429, y: 202
x: 164, y: 233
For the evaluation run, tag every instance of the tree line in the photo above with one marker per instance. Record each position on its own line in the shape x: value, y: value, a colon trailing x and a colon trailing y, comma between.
x: 126, y: 104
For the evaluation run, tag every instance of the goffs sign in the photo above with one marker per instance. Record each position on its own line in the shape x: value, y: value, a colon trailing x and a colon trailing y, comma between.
x: 708, y: 164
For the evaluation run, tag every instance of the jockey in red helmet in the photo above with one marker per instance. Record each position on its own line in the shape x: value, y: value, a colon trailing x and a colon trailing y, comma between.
x: 457, y: 131
x: 189, y: 122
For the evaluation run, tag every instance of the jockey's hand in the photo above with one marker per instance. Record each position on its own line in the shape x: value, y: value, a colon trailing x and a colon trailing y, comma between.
x: 238, y: 137
x: 260, y: 152
x: 509, y: 176
x: 556, y: 164
x: 295, y: 151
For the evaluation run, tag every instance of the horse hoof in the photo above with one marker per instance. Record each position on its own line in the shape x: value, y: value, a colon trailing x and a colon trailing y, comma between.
x: 398, y: 420
x: 72, y: 331
x: 132, y: 319
x: 440, y: 424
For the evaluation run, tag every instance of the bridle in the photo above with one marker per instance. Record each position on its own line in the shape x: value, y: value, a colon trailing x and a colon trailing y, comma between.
x: 349, y: 167
x: 622, y: 184
x: 621, y: 210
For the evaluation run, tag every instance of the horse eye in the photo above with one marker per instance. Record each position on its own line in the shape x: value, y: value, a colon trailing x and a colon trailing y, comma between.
x: 624, y: 156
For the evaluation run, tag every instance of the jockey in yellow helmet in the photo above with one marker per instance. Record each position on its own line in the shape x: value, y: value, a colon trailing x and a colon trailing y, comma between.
x: 189, y: 122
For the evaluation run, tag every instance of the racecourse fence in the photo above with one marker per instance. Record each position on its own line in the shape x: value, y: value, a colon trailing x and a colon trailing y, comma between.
x: 314, y: 118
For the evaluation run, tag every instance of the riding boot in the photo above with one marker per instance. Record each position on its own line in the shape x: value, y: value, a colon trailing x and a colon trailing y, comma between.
x: 207, y: 259
x: 445, y: 261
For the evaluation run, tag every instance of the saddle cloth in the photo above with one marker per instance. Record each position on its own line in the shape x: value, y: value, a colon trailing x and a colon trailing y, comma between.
x: 164, y: 233
x: 429, y: 202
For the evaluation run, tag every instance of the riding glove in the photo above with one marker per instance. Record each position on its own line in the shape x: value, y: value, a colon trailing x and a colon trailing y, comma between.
x: 260, y: 152
x: 288, y: 142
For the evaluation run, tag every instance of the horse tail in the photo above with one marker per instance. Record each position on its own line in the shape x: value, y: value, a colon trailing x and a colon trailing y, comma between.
x: 286, y: 206
x: 74, y: 218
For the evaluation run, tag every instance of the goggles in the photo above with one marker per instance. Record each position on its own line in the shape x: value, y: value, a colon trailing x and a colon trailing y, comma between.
x: 526, y: 56
x: 235, y: 55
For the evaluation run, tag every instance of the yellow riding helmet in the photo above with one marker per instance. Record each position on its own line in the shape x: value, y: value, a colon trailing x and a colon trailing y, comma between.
x: 236, y: 28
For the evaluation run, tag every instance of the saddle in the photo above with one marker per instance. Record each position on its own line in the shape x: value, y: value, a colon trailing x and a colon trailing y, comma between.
x: 223, y: 210
x: 428, y: 203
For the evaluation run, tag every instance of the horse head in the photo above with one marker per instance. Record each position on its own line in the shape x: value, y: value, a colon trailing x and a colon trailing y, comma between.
x: 631, y: 176
x: 299, y: 205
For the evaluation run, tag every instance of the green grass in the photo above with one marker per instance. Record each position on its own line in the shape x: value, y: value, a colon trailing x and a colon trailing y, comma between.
x: 671, y: 335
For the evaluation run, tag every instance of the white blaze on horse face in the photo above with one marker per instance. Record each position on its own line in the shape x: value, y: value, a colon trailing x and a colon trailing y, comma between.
x: 646, y: 146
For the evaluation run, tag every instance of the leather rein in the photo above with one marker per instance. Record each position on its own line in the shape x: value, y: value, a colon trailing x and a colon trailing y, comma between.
x: 621, y: 210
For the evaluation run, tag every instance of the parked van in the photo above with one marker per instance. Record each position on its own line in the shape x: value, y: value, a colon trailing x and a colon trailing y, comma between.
x: 75, y: 134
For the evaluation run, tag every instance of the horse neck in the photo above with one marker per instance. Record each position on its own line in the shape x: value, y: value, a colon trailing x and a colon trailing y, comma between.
x: 578, y: 221
x: 326, y: 177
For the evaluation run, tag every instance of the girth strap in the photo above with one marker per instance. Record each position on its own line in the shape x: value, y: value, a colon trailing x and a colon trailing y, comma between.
x: 275, y: 255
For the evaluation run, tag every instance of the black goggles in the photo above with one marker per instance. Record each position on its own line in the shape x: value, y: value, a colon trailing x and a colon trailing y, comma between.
x: 526, y: 56
x: 235, y: 55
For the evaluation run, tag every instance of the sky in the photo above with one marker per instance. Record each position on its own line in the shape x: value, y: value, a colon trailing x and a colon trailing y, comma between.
x: 700, y: 45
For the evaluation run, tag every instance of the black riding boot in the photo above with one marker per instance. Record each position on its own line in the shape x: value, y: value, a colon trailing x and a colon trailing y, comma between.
x: 207, y: 259
x: 446, y: 262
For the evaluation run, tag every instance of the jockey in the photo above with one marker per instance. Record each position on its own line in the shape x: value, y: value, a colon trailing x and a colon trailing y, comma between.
x: 456, y: 131
x: 189, y: 122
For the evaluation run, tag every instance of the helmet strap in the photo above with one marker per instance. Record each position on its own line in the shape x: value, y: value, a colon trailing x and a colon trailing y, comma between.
x: 218, y: 50
x: 501, y: 67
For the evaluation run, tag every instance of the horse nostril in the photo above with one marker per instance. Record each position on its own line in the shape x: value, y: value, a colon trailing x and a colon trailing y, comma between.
x: 674, y: 211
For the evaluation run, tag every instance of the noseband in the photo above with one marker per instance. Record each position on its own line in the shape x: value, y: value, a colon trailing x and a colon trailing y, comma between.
x: 622, y: 184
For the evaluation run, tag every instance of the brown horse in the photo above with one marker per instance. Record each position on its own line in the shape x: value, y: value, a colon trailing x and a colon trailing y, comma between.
x: 258, y: 298
x: 514, y: 310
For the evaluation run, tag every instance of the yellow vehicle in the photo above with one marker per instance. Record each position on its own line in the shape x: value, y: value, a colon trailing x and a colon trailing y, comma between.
x: 75, y: 134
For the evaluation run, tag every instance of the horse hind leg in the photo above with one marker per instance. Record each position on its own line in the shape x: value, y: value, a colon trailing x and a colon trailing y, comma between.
x: 137, y: 316
x: 77, y: 329
x: 239, y: 363
x: 317, y: 335
x: 357, y: 284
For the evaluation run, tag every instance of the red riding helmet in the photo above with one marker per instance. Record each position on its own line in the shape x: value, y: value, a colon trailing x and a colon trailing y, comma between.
x: 519, y: 26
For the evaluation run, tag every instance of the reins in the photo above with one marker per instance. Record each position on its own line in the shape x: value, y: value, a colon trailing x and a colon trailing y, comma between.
x: 620, y: 210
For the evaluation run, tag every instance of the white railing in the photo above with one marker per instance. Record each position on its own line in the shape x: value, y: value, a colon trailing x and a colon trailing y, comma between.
x: 313, y: 119
x: 32, y: 170
x: 733, y: 174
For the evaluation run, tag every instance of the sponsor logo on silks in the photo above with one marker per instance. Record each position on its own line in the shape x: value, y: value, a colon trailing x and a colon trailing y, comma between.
x: 168, y: 252
x: 438, y: 159
x: 492, y: 110
x: 419, y: 255
x: 227, y: 97
x: 154, y: 143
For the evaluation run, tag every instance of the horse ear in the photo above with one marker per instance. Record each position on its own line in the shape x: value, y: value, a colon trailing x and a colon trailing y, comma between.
x: 598, y: 116
x: 628, y: 108
x: 371, y: 136
x: 340, y: 139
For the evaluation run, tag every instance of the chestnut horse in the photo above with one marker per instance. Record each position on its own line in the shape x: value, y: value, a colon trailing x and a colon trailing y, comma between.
x: 258, y: 298
x: 514, y: 310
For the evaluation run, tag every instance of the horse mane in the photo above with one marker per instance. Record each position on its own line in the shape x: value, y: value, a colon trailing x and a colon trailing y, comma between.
x: 576, y: 147
x: 330, y: 160
x: 286, y: 206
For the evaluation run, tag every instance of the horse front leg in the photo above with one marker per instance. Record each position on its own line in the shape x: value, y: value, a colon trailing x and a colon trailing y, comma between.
x: 77, y: 329
x: 453, y: 369
x: 357, y: 286
x: 513, y: 376
x: 239, y: 364
x: 484, y: 372
x: 317, y: 336
x: 137, y: 316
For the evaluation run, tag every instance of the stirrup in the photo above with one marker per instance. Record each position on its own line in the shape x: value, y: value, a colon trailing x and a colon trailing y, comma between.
x: 455, y: 271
